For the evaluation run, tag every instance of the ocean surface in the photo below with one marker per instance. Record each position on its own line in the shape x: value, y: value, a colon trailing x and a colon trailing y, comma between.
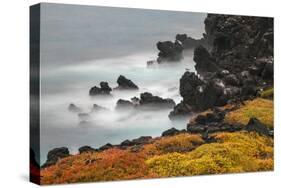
x: 84, y: 45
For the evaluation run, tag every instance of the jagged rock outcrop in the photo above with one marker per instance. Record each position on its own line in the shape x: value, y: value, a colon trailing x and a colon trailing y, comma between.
x: 54, y: 155
x: 189, y: 42
x: 151, y: 101
x: 237, y: 41
x: 124, y: 83
x: 210, y: 123
x: 237, y: 66
x: 104, y: 89
x: 169, y: 51
x: 204, y: 61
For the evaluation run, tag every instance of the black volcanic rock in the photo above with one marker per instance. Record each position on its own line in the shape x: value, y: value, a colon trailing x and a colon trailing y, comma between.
x: 142, y: 140
x: 181, y: 110
x: 189, y: 42
x: 124, y: 83
x: 231, y: 79
x: 104, y: 89
x: 204, y: 61
x: 255, y: 125
x: 86, y: 149
x: 149, y: 100
x: 106, y: 146
x: 54, y: 155
x: 126, y: 143
x: 171, y: 132
x: 169, y: 51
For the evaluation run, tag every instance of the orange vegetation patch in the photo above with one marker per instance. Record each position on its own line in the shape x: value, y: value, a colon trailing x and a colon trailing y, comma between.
x: 112, y: 164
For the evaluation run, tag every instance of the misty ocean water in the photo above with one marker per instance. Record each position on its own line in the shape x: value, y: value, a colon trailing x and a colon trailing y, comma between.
x: 79, y: 51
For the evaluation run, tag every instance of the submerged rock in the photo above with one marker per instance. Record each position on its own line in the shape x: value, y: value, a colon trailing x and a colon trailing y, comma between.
x: 84, y: 116
x: 73, y: 108
x: 124, y: 83
x: 98, y: 108
x: 54, y: 155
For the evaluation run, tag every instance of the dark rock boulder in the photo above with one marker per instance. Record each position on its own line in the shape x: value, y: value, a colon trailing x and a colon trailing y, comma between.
x: 149, y: 100
x: 142, y: 140
x: 124, y: 104
x: 181, y: 110
x: 124, y: 83
x: 202, y: 95
x: 213, y: 127
x: 73, y: 108
x: 138, y: 141
x: 249, y: 88
x: 189, y: 42
x: 135, y: 100
x: 105, y: 147
x: 267, y: 72
x: 255, y: 125
x: 86, y: 149
x: 169, y: 51
x: 232, y: 80
x: 204, y: 61
x: 104, y: 89
x: 54, y: 155
x: 126, y: 143
x: 189, y: 83
x: 210, y: 118
x: 171, y: 132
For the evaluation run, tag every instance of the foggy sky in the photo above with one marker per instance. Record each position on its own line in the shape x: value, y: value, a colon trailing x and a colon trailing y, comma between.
x: 73, y: 33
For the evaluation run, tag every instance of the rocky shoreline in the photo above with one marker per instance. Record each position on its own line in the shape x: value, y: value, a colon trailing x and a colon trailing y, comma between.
x: 234, y: 64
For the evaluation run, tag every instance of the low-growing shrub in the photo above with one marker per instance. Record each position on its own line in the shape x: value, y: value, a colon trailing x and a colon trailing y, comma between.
x: 234, y: 152
x: 179, y: 143
x: 258, y: 108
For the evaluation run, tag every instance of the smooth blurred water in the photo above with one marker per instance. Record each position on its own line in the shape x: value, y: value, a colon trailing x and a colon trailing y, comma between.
x: 71, y: 65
